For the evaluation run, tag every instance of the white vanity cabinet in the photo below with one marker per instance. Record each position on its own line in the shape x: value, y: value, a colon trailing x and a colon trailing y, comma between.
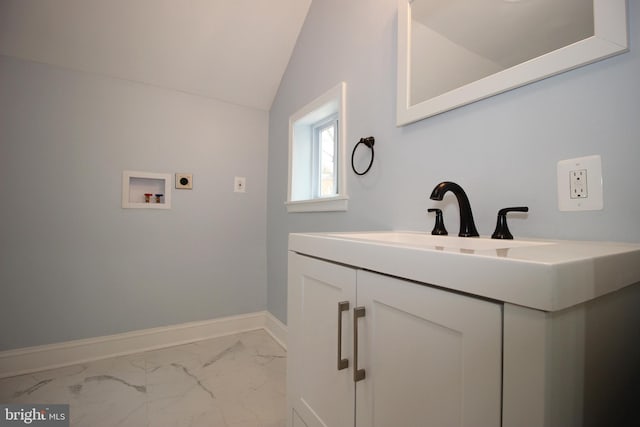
x: 428, y: 356
x: 462, y: 332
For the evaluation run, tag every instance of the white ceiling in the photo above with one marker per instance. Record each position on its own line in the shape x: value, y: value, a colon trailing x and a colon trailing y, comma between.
x: 232, y: 50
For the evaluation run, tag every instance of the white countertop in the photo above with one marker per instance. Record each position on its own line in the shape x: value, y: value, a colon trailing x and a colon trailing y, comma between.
x: 547, y: 275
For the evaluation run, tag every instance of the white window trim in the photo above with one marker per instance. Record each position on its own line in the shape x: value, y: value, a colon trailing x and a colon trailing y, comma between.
x: 325, y: 204
x: 334, y: 99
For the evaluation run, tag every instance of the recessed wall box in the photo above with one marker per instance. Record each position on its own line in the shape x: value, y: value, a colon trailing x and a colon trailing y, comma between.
x: 137, y: 185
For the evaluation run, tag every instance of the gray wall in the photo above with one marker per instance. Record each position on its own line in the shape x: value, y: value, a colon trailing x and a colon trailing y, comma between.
x: 73, y: 263
x: 502, y: 150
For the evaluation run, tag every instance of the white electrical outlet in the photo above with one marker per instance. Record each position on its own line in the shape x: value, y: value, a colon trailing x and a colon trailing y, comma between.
x: 240, y: 184
x: 580, y: 184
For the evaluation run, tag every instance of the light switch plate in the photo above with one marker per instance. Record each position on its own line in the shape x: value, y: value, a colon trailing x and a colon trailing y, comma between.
x: 184, y: 181
x: 580, y: 184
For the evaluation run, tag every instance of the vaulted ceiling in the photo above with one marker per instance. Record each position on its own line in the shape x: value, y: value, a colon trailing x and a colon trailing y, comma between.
x: 232, y: 50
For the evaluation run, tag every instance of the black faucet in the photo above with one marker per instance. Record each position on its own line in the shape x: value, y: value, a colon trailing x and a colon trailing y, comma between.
x: 467, y: 227
x: 502, y: 229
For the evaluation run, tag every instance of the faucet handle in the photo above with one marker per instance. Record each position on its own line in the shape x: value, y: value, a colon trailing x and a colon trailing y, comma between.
x: 502, y: 230
x: 438, y: 229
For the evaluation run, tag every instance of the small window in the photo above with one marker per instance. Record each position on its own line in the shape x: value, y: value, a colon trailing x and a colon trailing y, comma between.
x: 325, y: 147
x: 316, y: 155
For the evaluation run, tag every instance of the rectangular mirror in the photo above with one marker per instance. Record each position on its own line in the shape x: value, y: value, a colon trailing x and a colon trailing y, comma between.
x: 454, y: 52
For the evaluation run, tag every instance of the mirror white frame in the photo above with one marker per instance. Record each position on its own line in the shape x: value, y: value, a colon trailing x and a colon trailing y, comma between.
x: 610, y: 38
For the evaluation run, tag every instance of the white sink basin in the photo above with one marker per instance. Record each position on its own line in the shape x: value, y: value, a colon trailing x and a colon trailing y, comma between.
x: 547, y: 275
x: 428, y: 241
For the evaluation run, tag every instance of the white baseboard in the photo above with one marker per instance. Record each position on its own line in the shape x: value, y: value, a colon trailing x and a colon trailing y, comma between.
x: 276, y: 329
x: 50, y: 356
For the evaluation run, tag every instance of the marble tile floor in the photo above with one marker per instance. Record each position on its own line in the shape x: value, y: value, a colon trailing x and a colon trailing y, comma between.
x: 232, y: 381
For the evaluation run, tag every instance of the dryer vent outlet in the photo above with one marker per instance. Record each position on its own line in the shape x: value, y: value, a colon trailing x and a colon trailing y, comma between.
x: 184, y: 181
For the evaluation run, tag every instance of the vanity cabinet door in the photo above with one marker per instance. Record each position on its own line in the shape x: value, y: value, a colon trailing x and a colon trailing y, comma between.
x: 318, y: 394
x: 431, y: 357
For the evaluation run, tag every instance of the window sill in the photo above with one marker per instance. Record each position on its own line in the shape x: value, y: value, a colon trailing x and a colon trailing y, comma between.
x: 328, y: 204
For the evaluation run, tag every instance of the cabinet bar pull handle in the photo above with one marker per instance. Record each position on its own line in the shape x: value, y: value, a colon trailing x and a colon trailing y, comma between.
x: 358, y: 374
x: 342, y: 307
